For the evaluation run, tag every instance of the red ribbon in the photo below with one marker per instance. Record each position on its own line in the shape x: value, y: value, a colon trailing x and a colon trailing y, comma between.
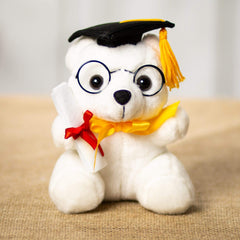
x: 84, y: 132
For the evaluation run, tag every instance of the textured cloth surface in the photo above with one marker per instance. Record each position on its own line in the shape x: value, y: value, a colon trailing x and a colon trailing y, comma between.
x: 210, y: 153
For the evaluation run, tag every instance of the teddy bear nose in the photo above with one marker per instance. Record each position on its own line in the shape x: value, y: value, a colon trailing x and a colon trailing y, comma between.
x: 122, y: 96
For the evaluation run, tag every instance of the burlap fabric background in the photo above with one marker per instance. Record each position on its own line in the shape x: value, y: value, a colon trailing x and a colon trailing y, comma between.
x: 210, y: 152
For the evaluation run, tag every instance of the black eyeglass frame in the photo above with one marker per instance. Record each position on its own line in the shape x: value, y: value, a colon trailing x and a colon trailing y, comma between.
x: 109, y: 74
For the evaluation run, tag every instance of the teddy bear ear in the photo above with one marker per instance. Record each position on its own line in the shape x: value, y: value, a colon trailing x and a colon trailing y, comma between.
x: 152, y: 41
x: 70, y: 56
x: 75, y: 51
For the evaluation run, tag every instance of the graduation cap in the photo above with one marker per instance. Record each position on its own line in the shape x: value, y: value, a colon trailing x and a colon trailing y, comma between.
x: 130, y: 32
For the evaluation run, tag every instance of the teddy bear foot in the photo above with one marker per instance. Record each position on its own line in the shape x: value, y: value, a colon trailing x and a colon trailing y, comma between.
x: 167, y: 195
x: 71, y: 189
x: 163, y: 186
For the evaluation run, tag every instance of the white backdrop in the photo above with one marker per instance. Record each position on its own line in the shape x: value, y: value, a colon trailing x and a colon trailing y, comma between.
x: 33, y: 40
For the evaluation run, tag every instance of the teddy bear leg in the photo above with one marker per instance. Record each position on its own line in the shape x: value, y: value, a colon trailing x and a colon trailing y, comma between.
x: 71, y: 188
x: 163, y: 186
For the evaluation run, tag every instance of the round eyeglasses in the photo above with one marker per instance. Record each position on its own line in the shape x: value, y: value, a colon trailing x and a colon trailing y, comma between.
x: 94, y: 76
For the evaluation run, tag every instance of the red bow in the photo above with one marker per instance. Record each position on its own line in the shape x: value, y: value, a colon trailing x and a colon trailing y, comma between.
x: 84, y: 132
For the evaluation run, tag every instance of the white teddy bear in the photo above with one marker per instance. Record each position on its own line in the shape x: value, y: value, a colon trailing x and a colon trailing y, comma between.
x: 111, y: 88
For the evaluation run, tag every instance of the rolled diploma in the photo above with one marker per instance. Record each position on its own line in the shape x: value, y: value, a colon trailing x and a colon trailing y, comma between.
x: 68, y: 109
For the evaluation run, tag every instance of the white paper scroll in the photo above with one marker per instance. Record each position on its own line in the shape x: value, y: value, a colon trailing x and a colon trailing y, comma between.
x: 68, y: 109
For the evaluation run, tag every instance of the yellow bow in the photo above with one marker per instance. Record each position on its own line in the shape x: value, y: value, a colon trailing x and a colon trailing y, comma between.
x: 105, y: 128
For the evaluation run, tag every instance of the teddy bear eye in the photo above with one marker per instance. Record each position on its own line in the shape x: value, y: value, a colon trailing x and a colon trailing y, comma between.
x: 144, y: 83
x: 149, y: 79
x: 96, y: 82
x: 93, y: 76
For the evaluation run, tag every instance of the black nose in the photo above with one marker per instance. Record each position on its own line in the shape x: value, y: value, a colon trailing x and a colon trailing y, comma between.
x: 122, y: 96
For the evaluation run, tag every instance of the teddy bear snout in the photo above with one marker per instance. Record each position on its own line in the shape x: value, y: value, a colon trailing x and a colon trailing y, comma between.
x: 122, y: 96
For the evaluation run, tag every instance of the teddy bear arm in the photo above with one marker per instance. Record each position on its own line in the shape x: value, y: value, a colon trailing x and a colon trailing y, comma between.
x: 182, y: 122
x: 173, y: 129
x: 58, y: 132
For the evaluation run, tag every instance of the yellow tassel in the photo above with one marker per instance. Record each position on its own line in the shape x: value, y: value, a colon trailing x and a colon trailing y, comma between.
x: 169, y: 63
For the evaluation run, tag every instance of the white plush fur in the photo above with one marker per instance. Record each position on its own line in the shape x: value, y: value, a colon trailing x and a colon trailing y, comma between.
x: 139, y: 167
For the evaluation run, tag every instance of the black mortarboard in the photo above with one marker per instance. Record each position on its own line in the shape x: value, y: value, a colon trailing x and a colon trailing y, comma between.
x: 119, y: 33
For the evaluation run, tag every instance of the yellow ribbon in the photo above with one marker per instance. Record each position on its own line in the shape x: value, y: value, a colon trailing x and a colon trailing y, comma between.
x: 106, y: 128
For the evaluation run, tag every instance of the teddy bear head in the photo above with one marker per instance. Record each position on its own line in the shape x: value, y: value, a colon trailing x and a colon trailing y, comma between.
x: 117, y: 84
